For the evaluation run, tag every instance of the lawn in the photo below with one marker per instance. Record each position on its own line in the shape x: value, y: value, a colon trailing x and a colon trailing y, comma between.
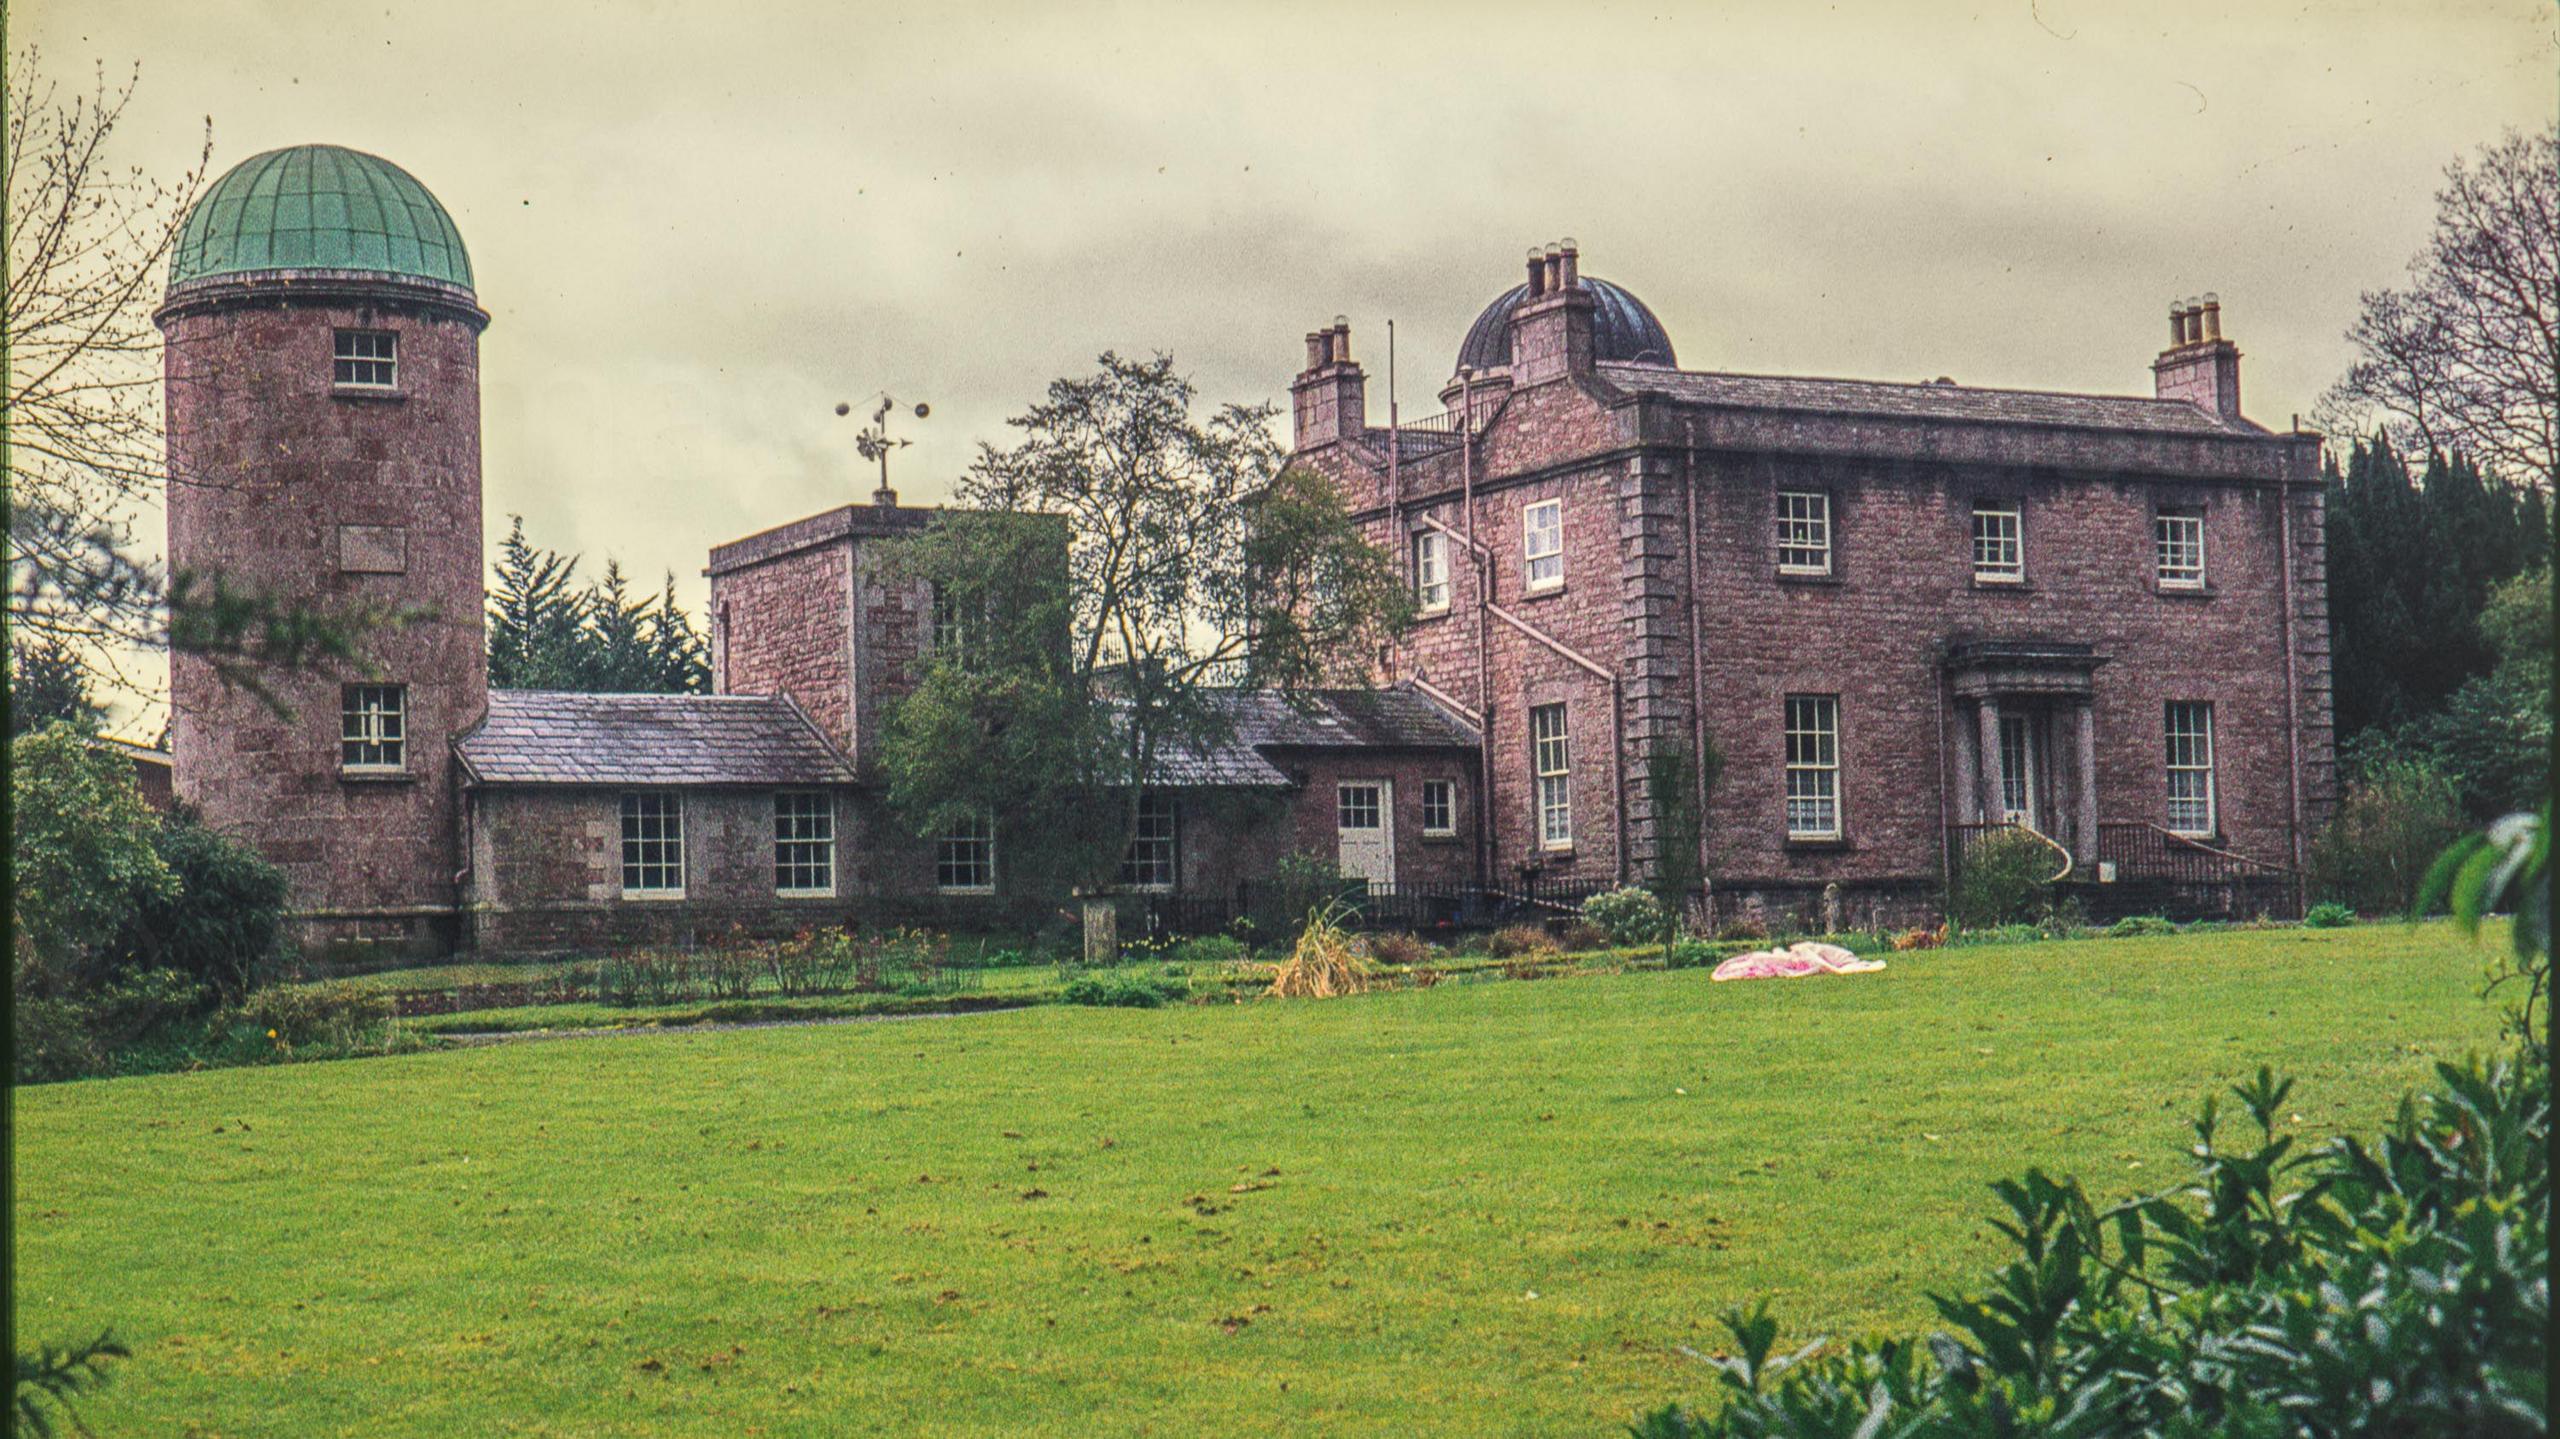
x: 1477, y: 1209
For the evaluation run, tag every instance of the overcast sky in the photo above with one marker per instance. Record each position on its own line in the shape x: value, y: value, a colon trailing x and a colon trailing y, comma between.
x: 700, y: 226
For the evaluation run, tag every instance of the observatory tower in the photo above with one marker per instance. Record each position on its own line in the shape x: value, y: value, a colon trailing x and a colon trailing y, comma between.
x: 323, y: 369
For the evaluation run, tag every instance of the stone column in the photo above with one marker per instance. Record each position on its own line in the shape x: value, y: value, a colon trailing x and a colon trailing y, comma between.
x: 2088, y: 765
x: 1968, y: 775
x: 1987, y: 734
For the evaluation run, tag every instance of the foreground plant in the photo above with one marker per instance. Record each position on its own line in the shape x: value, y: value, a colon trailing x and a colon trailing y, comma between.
x: 2402, y: 1288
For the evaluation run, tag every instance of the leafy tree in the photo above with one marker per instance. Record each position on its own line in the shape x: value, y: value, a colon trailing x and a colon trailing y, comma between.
x: 2398, y: 815
x: 88, y: 247
x: 617, y: 656
x: 2493, y: 737
x: 81, y: 843
x: 1191, y: 562
x: 2466, y: 357
x: 680, y: 658
x: 47, y: 683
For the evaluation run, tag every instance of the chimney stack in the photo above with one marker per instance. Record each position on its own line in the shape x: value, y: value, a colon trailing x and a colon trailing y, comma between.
x: 1330, y: 398
x: 2200, y: 366
x: 1551, y: 328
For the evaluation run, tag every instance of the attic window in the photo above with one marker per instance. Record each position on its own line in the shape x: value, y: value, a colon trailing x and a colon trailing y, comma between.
x: 367, y: 360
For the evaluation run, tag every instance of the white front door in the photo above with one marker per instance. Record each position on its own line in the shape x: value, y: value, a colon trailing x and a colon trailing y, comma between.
x: 2017, y: 770
x: 1365, y: 817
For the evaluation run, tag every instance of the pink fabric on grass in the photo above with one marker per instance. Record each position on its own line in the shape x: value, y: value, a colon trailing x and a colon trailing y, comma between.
x: 1795, y: 962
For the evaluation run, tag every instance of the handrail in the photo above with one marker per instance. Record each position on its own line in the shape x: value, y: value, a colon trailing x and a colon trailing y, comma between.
x: 2191, y: 842
x: 2059, y: 848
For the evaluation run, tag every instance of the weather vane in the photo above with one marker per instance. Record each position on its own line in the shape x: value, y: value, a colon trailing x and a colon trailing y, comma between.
x: 874, y: 443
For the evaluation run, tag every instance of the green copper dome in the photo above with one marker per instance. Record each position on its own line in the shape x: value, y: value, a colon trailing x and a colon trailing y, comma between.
x: 319, y: 207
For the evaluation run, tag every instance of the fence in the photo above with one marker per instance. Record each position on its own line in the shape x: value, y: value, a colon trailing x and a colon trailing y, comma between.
x: 2144, y: 869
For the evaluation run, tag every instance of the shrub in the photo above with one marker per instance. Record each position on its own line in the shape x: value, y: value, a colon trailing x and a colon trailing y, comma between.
x: 1747, y: 927
x: 220, y: 924
x: 2398, y: 1288
x: 2328, y: 914
x: 1123, y: 991
x: 1629, y: 916
x: 1520, y: 940
x: 1577, y: 935
x: 70, y: 1035
x: 2374, y: 854
x: 1211, y: 949
x: 1691, y: 954
x: 1400, y: 949
x: 81, y: 845
x: 2005, y: 878
x: 2134, y: 926
x: 1324, y: 964
x: 300, y: 1016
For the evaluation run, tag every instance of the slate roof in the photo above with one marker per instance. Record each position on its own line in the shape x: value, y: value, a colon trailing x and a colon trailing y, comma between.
x: 1265, y: 721
x: 1927, y: 401
x: 557, y: 737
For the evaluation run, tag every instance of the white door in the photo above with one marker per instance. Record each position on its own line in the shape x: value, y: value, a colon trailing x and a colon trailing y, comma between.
x: 1365, y: 816
x: 2017, y: 770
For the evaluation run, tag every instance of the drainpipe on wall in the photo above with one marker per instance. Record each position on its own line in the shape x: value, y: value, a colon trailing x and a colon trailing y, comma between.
x: 2292, y: 700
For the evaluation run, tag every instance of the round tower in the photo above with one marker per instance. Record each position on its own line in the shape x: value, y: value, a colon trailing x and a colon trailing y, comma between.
x: 323, y: 370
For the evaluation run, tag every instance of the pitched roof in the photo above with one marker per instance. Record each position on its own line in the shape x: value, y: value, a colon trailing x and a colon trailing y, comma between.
x: 1263, y: 721
x: 1927, y: 401
x: 557, y: 737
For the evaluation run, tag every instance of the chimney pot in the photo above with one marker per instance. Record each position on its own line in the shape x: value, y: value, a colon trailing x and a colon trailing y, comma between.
x: 1570, y: 263
x: 1341, y: 340
x: 2212, y: 316
x: 1316, y: 349
x: 1537, y: 272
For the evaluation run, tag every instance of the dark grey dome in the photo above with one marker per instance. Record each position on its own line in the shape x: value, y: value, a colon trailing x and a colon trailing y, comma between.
x: 1623, y: 331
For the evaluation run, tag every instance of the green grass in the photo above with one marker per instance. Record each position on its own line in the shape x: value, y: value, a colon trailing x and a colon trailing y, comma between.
x: 1481, y: 1208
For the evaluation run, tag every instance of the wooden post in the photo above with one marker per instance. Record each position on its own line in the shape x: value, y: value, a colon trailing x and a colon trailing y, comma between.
x: 1101, y: 931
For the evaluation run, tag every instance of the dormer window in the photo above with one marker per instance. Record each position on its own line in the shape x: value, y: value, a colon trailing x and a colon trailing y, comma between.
x: 367, y: 360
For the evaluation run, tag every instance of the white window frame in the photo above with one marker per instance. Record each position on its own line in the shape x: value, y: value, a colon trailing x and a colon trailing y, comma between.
x: 653, y: 844
x: 2177, y: 561
x: 1804, y: 532
x: 1812, y: 740
x: 1153, y: 863
x: 1441, y: 795
x: 1431, y: 572
x: 1551, y: 768
x: 373, y: 729
x: 950, y: 857
x: 950, y: 627
x: 2018, y: 779
x: 1542, y: 546
x: 1999, y: 542
x: 804, y: 843
x: 2187, y: 726
x: 364, y: 359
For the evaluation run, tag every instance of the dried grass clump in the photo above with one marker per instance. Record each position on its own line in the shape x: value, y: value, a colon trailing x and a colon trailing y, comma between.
x: 1521, y: 941
x: 1911, y: 939
x: 1325, y: 964
x: 1403, y: 949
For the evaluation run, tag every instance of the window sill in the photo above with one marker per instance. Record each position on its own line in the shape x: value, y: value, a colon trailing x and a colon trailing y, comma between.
x: 368, y: 392
x: 964, y: 889
x: 804, y: 894
x: 1439, y: 836
x: 654, y: 896
x: 1424, y: 617
x: 1563, y: 852
x: 1542, y: 592
x: 376, y: 776
x: 1987, y: 582
x: 1816, y: 844
x: 2185, y: 592
x: 1809, y: 577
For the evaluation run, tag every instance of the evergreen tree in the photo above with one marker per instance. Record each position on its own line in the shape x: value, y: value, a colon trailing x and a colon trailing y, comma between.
x: 680, y: 657
x: 535, y: 619
x: 48, y: 683
x: 547, y: 634
x: 616, y: 654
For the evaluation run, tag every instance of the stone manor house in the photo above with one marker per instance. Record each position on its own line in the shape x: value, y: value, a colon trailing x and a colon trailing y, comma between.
x: 1905, y: 615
